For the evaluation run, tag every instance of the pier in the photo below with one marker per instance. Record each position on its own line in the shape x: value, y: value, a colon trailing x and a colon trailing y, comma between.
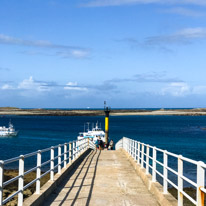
x: 81, y: 175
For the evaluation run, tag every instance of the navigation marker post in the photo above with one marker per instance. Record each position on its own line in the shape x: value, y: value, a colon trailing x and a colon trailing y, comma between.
x: 107, y: 111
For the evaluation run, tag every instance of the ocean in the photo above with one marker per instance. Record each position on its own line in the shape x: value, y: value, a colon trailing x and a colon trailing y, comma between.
x: 185, y: 135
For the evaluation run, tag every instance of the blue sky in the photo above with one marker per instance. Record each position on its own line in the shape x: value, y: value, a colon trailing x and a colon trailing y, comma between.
x: 131, y: 53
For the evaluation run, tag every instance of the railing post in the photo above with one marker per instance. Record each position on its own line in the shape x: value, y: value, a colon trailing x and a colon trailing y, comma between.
x: 65, y: 155
x: 70, y: 152
x: 200, y: 183
x: 74, y: 151
x: 127, y: 145
x: 38, y: 172
x: 180, y: 181
x: 154, y: 158
x: 131, y: 142
x: 21, y: 181
x: 165, y: 173
x: 59, y: 159
x: 52, y: 164
x: 138, y: 153
x: 142, y: 156
x: 1, y: 181
x: 135, y: 150
x: 83, y: 146
x: 88, y: 143
x: 132, y: 148
x: 147, y: 160
x: 79, y: 147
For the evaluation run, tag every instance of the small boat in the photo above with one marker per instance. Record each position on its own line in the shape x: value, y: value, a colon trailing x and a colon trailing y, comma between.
x: 93, y: 134
x: 8, y: 131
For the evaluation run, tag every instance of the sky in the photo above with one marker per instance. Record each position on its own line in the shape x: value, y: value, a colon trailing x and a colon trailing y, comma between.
x: 80, y: 53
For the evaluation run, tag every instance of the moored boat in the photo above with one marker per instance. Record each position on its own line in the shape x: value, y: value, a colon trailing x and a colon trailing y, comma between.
x: 8, y: 131
x: 93, y: 134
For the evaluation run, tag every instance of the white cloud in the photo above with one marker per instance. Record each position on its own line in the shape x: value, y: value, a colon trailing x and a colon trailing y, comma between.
x: 191, y: 33
x: 79, y: 54
x: 31, y: 84
x: 61, y: 49
x: 74, y: 86
x: 71, y: 84
x: 184, y: 11
x: 102, y: 3
x: 183, y: 36
x: 177, y: 89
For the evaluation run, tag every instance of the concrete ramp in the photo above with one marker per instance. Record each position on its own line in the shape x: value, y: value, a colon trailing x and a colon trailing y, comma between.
x: 103, y: 178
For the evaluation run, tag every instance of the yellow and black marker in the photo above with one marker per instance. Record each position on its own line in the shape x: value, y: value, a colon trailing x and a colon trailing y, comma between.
x: 107, y: 111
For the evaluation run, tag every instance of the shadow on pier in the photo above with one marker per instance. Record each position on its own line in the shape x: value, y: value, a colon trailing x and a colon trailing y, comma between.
x: 78, y: 185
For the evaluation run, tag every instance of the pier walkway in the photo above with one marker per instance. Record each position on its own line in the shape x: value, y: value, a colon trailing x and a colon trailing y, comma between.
x: 103, y: 178
x: 133, y: 174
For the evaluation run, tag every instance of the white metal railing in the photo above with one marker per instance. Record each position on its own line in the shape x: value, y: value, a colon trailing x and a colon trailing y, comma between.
x: 146, y: 156
x: 66, y: 154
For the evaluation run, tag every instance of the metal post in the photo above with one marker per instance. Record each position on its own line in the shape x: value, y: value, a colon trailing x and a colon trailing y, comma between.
x: 74, y: 151
x: 83, y: 143
x: 142, y: 156
x: 165, y: 174
x: 131, y: 143
x: 127, y: 145
x: 131, y: 147
x: 147, y: 160
x: 59, y: 159
x: 70, y: 152
x: 200, y: 183
x: 138, y: 153
x: 38, y: 172
x: 52, y: 164
x: 65, y: 155
x: 135, y: 150
x: 88, y: 143
x: 79, y: 148
x: 1, y: 181
x: 154, y: 158
x: 21, y: 181
x: 180, y: 181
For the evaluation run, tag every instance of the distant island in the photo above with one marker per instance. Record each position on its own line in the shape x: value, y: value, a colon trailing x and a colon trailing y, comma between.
x: 99, y: 112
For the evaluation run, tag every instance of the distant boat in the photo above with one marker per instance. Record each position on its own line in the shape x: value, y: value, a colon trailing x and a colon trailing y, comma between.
x: 8, y: 131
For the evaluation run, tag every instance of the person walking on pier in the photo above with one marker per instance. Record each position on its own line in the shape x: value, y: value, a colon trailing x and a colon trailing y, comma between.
x: 99, y: 143
x: 111, y: 145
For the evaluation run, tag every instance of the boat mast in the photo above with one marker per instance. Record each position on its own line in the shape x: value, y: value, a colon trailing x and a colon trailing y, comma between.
x: 88, y: 125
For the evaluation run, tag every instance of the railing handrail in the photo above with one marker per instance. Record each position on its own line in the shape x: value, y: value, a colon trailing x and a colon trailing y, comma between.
x: 143, y: 153
x: 70, y: 151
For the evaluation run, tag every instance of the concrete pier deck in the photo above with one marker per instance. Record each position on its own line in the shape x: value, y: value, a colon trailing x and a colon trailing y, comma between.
x: 103, y: 178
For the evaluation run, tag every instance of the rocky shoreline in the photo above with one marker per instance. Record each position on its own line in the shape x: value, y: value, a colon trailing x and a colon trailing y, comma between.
x: 98, y: 112
x: 13, y: 187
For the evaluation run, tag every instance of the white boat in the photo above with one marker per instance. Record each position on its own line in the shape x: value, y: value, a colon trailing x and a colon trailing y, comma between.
x: 8, y: 131
x: 93, y: 134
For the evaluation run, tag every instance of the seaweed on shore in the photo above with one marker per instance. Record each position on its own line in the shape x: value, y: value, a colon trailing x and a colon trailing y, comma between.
x: 13, y: 187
